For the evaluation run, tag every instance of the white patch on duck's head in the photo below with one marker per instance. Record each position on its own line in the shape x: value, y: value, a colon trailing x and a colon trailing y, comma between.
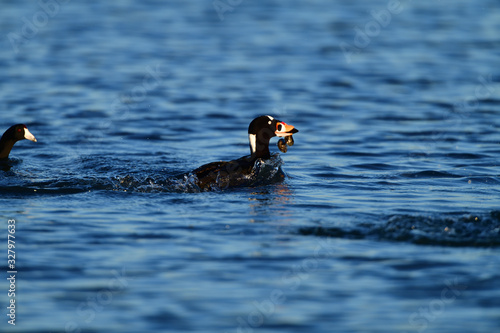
x: 270, y: 120
x: 252, y: 138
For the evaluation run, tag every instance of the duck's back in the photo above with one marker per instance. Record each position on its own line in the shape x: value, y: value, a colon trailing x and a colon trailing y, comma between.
x: 224, y: 174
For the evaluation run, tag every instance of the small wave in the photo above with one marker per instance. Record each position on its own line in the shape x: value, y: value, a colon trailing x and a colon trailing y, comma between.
x: 373, y: 166
x: 6, y: 165
x: 430, y: 174
x: 466, y: 156
x: 458, y: 231
x: 56, y: 187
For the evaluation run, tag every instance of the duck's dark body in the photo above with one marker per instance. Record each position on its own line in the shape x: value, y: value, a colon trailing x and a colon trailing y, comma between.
x: 239, y: 172
x: 225, y: 174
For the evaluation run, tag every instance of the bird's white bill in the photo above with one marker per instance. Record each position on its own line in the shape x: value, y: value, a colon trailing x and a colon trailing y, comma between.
x: 28, y: 135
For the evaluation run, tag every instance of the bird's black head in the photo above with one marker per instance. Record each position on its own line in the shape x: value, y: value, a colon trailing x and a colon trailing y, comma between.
x: 19, y: 132
x: 261, y: 130
x: 11, y: 136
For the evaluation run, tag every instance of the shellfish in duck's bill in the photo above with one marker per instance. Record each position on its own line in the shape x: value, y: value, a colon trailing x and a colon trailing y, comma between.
x: 239, y: 172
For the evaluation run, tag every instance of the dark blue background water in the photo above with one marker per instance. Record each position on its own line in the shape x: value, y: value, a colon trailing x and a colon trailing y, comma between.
x: 388, y: 221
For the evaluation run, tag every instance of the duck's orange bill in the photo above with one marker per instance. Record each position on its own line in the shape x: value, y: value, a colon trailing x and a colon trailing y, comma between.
x: 283, y: 129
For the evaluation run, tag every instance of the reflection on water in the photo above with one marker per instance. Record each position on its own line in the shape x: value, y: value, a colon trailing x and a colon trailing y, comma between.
x: 271, y: 204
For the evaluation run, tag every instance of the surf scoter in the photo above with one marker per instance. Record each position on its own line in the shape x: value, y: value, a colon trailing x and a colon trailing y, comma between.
x: 233, y: 173
x: 11, y: 136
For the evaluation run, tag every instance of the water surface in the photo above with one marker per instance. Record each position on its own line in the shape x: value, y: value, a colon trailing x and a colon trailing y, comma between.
x: 388, y: 219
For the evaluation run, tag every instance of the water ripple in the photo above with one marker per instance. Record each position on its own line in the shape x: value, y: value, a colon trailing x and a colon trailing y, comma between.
x: 456, y: 231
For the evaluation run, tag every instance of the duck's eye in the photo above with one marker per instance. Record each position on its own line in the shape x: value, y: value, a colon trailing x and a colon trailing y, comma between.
x: 280, y: 127
x: 19, y: 129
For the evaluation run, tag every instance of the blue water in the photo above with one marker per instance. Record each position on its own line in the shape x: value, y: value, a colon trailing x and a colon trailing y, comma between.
x: 388, y: 219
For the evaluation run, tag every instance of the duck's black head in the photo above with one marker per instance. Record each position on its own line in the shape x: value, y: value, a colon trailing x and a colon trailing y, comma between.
x: 261, y: 130
x: 19, y: 132
x: 11, y: 136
